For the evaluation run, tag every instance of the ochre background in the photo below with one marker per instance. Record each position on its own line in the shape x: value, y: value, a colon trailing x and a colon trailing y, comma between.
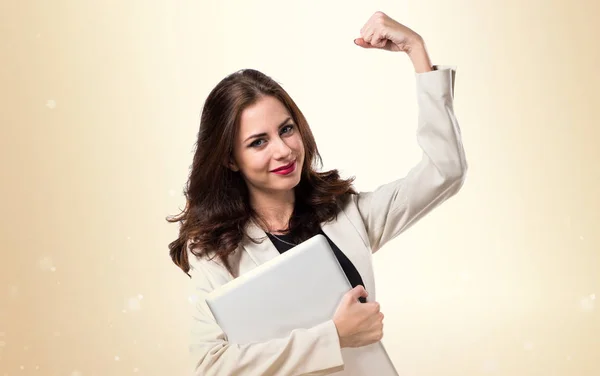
x: 99, y: 109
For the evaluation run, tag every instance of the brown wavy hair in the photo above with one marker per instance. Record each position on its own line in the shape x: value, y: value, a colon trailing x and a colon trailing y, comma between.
x: 217, y: 199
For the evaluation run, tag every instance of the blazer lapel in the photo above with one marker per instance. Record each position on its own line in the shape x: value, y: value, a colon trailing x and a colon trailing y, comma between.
x: 343, y: 233
x: 259, y: 252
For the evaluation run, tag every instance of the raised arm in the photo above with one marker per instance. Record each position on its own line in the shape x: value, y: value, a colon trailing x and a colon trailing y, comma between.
x: 394, y: 207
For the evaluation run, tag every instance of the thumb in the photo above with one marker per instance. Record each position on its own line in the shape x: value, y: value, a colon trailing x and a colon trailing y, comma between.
x: 357, y: 292
x: 362, y: 43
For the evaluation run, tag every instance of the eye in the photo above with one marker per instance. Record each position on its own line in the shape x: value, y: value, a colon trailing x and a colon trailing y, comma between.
x: 256, y: 143
x: 287, y: 129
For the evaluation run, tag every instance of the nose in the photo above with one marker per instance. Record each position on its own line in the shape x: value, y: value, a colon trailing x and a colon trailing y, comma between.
x: 282, y: 150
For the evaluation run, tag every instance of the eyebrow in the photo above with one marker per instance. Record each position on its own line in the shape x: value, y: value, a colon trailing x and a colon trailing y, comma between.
x: 264, y: 134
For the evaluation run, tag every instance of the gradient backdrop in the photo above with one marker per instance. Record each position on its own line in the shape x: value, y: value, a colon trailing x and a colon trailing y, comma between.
x: 99, y: 109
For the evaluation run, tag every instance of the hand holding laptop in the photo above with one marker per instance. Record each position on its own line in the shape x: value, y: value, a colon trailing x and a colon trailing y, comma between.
x: 273, y: 298
x: 358, y: 324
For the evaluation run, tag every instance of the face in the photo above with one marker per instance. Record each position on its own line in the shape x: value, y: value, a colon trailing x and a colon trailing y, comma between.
x: 268, y: 150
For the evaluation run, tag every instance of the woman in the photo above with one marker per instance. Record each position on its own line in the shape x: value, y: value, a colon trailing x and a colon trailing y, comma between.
x: 253, y: 193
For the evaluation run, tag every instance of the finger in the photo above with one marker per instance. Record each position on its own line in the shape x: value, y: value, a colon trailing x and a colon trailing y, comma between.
x: 378, y: 41
x: 368, y: 35
x: 391, y: 46
x: 362, y: 292
x: 362, y: 43
x: 371, y: 309
x: 357, y: 292
x: 376, y: 334
x: 365, y: 28
x: 366, y: 31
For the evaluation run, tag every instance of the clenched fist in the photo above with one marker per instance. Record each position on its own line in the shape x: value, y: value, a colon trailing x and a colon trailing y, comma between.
x: 358, y: 324
x: 382, y: 32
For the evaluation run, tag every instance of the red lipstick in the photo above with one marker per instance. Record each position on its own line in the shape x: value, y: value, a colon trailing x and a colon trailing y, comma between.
x: 285, y: 170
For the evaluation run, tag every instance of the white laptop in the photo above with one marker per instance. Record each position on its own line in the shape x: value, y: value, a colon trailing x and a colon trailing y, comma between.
x: 301, y: 288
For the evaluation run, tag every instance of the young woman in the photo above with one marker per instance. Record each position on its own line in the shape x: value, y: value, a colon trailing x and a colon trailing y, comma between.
x: 254, y: 192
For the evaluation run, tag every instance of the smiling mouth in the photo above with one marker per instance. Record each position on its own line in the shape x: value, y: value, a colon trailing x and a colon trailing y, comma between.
x: 285, y: 169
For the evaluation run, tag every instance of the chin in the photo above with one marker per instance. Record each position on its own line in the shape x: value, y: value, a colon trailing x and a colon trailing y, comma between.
x: 286, y: 185
x: 289, y: 185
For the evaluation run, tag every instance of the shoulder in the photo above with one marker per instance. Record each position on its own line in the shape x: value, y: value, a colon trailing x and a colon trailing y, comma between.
x: 350, y: 210
x: 351, y: 204
x: 347, y: 201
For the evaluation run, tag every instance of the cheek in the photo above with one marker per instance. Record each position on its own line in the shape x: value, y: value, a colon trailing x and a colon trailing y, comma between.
x: 297, y: 144
x: 256, y: 162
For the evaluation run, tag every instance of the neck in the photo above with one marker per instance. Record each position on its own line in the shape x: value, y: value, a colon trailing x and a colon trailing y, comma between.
x: 274, y: 210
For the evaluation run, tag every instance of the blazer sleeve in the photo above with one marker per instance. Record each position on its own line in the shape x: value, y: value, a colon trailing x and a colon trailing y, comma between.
x: 314, y: 351
x: 394, y: 207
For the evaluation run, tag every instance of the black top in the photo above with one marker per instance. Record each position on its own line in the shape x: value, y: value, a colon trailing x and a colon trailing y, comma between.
x: 349, y: 268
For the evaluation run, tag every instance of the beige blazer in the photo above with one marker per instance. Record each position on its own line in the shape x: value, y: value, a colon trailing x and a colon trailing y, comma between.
x: 366, y: 222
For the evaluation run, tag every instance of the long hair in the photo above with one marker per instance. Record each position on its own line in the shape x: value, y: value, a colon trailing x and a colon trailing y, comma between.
x: 217, y: 199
